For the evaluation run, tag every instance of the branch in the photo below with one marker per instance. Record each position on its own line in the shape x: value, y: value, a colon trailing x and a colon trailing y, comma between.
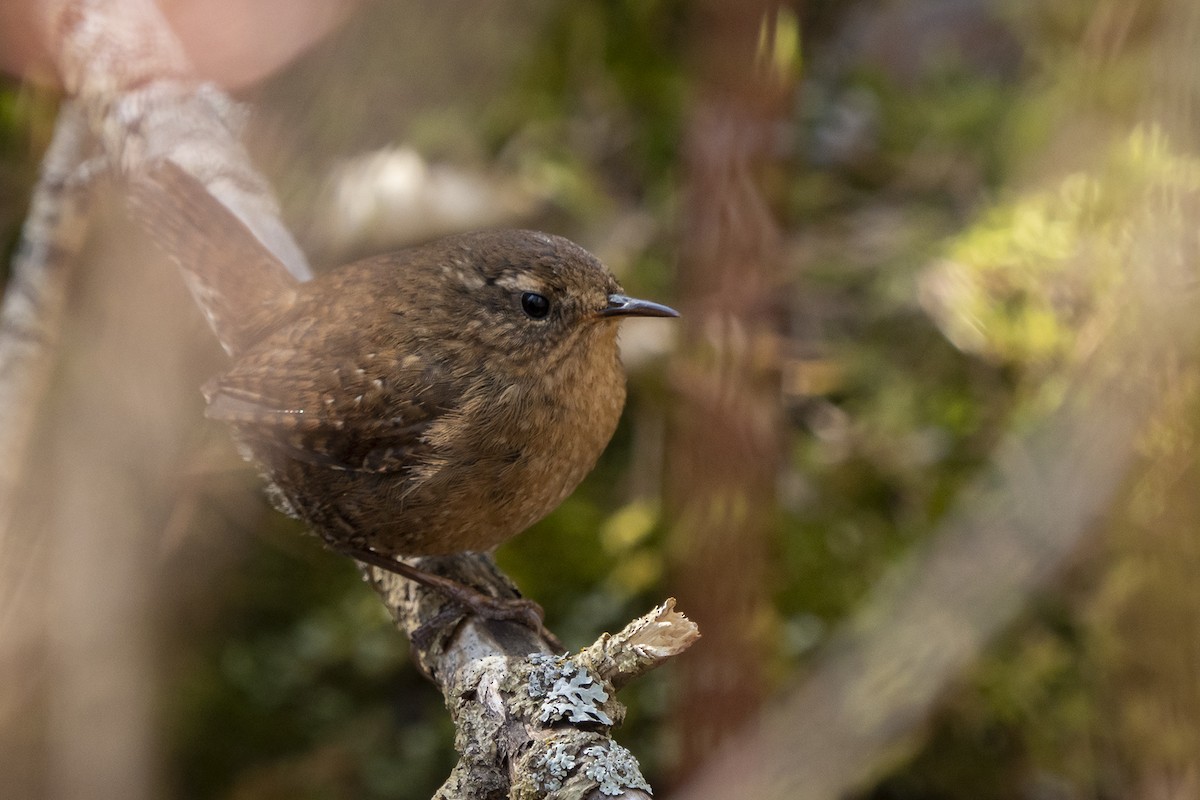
x: 531, y: 724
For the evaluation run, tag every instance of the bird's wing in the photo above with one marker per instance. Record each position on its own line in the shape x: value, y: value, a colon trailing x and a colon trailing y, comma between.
x: 365, y: 413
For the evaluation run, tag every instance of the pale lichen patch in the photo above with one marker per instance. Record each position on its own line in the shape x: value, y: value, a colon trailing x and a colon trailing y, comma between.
x: 614, y: 769
x: 567, y: 691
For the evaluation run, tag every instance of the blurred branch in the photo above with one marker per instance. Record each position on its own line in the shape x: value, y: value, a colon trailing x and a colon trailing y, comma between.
x: 124, y: 71
x: 726, y: 437
x: 34, y: 300
x: 30, y: 327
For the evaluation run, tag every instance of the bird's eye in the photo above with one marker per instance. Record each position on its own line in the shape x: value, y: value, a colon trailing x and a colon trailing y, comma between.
x: 536, y: 306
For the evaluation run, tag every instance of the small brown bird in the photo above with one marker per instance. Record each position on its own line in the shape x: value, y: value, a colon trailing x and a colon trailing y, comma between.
x: 432, y: 401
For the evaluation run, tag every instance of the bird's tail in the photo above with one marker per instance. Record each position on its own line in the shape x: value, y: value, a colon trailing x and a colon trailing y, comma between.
x: 239, y: 284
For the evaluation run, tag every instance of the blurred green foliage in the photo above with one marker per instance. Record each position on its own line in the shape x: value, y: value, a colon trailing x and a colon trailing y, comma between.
x: 301, y: 688
x: 1035, y: 283
x: 596, y: 107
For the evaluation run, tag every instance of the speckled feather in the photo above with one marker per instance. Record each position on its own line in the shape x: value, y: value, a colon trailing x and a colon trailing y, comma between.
x: 406, y: 403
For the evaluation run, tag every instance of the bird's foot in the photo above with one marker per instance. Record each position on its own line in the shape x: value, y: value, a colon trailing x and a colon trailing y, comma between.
x: 514, y: 609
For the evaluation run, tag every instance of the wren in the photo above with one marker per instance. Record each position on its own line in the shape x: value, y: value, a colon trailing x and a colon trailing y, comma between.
x: 431, y: 401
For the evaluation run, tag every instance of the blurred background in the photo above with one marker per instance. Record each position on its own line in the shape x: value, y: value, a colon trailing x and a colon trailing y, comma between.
x: 920, y: 458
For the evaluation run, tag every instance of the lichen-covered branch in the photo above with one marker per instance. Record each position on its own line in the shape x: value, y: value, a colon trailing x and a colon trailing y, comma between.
x: 531, y: 723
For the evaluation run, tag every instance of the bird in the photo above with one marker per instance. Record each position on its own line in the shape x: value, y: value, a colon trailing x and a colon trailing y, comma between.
x: 436, y: 400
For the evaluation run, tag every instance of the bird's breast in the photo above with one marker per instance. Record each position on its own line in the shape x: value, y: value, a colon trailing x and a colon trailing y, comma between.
x: 529, y: 443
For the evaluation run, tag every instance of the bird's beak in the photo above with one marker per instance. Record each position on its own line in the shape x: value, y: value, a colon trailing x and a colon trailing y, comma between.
x: 621, y: 306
